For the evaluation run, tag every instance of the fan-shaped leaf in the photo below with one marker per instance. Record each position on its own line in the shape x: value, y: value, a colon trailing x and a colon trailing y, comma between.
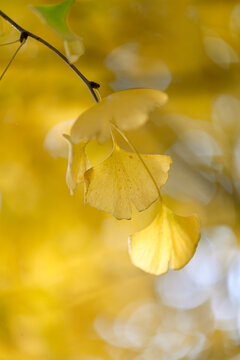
x: 128, y: 109
x: 122, y: 179
x: 169, y: 238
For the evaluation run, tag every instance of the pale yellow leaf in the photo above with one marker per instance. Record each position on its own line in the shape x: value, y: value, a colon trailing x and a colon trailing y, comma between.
x: 74, y: 48
x: 54, y: 142
x: 122, y: 179
x: 128, y: 109
x: 77, y: 163
x: 170, y: 238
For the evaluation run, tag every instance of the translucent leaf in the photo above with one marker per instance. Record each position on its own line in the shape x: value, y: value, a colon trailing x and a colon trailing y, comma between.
x: 122, y: 179
x: 169, y: 238
x: 56, y: 17
x: 73, y: 48
x: 77, y: 164
x: 128, y: 109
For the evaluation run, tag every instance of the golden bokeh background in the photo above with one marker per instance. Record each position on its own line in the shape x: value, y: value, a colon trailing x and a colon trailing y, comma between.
x: 68, y: 290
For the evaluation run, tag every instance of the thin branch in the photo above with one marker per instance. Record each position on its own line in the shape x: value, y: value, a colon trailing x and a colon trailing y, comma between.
x: 11, y: 60
x: 25, y: 34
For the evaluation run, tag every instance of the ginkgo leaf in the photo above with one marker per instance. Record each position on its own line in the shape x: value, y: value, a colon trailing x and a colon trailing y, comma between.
x: 54, y: 142
x: 74, y: 48
x: 122, y: 179
x: 128, y: 109
x: 56, y: 17
x: 169, y: 238
x: 77, y: 164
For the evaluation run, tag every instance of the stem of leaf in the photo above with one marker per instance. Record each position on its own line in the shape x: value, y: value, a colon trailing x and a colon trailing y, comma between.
x: 25, y: 34
x: 12, y: 58
x: 132, y: 146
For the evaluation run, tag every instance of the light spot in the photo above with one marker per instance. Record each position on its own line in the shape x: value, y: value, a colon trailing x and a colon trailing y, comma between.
x: 233, y: 282
x: 133, y: 70
x: 220, y: 52
x: 226, y: 112
x: 235, y: 20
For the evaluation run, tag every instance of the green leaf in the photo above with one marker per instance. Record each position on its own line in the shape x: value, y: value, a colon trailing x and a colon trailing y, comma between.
x: 56, y: 16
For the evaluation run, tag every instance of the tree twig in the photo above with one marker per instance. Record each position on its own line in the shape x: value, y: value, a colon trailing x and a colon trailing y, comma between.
x: 25, y: 34
x: 12, y: 58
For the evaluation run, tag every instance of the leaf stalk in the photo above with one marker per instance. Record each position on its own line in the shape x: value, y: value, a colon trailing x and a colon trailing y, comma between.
x: 132, y: 146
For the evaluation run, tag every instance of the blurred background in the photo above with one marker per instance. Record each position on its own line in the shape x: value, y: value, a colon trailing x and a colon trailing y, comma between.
x: 68, y: 290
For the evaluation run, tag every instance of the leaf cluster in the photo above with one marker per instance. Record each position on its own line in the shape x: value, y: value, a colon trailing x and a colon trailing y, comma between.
x: 126, y: 178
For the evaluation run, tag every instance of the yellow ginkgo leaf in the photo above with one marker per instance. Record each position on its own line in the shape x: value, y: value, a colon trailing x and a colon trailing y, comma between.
x: 77, y: 163
x: 122, y: 179
x: 128, y: 109
x: 169, y: 238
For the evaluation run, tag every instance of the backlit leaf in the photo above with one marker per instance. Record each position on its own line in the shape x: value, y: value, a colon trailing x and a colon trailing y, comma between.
x: 122, y: 179
x: 55, y: 16
x: 169, y: 238
x: 128, y: 109
x: 73, y: 48
x: 77, y: 164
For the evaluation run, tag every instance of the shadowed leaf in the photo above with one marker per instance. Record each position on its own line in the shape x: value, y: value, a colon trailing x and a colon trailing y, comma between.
x: 54, y: 142
x: 128, y: 109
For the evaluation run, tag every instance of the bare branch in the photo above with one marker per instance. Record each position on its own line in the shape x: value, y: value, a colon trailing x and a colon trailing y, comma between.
x: 25, y: 34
